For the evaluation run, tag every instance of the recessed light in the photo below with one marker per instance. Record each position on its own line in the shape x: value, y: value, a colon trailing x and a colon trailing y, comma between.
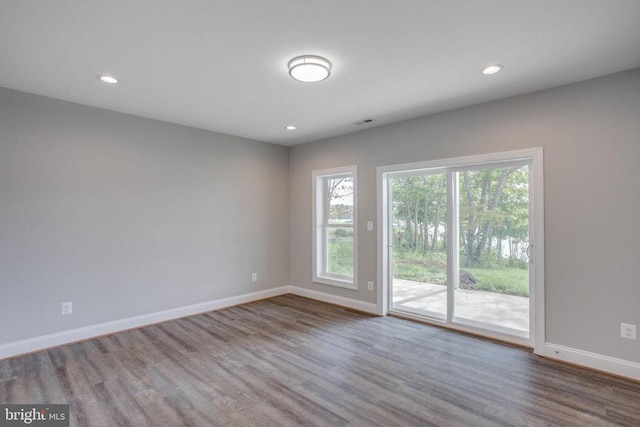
x: 290, y: 127
x: 105, y: 78
x: 492, y: 69
x: 309, y: 68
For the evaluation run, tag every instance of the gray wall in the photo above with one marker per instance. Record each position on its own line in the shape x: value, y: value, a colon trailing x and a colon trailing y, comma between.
x: 126, y: 216
x: 590, y: 132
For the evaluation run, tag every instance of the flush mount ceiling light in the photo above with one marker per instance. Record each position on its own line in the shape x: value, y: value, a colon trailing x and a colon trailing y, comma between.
x: 492, y: 69
x: 290, y: 127
x: 309, y: 68
x: 105, y: 78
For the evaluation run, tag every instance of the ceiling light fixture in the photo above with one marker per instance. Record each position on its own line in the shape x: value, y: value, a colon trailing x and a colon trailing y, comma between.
x: 492, y: 69
x: 105, y: 78
x: 290, y: 127
x: 309, y: 68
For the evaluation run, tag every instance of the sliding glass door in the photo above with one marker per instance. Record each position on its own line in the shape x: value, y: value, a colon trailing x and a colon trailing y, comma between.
x: 459, y: 245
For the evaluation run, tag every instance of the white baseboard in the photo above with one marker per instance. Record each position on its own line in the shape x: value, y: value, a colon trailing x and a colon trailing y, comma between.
x: 596, y: 361
x: 367, y: 307
x: 553, y: 351
x: 65, y: 337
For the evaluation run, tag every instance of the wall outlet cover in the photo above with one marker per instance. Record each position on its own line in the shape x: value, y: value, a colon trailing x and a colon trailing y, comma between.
x: 628, y: 331
x: 67, y: 308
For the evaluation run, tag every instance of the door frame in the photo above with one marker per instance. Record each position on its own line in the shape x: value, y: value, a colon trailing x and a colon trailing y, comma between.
x: 536, y: 267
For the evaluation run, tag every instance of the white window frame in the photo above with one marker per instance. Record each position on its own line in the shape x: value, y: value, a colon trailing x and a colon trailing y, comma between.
x: 536, y: 235
x: 320, y: 208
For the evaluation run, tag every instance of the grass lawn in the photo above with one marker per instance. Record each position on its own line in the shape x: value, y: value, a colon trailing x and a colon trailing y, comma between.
x: 504, y: 280
x: 512, y: 281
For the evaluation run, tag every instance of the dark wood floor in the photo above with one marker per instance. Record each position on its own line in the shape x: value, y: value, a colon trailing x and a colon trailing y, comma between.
x: 292, y: 361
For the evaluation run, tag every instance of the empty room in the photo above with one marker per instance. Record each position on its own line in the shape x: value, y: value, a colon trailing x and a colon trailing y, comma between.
x: 331, y: 213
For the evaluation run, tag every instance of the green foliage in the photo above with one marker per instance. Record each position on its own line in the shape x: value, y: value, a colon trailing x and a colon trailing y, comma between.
x: 511, y: 281
x: 430, y: 268
x: 493, y: 207
x: 419, y: 206
x: 419, y: 273
x: 341, y: 232
x: 433, y: 269
x: 435, y: 259
x: 493, y: 210
x: 341, y: 252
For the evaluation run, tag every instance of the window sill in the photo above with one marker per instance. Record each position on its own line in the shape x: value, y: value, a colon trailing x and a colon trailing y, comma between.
x: 332, y: 281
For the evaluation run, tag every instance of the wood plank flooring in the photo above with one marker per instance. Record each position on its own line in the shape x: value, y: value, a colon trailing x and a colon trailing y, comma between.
x: 291, y: 361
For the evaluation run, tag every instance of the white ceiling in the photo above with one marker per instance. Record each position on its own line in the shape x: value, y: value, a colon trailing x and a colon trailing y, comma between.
x: 222, y: 64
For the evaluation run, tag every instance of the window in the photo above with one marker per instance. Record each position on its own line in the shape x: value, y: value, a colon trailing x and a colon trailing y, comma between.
x: 335, y: 231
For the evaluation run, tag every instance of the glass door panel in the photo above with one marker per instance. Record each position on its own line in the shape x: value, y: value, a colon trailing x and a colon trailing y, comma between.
x: 493, y: 264
x: 418, y: 243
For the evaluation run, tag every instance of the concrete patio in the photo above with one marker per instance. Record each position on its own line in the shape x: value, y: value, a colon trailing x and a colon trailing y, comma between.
x: 496, y: 311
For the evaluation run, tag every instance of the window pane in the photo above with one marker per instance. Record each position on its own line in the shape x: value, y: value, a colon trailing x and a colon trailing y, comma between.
x: 335, y: 235
x: 340, y: 197
x: 340, y: 251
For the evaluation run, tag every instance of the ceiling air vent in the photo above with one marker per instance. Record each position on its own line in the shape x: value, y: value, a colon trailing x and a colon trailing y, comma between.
x: 365, y: 121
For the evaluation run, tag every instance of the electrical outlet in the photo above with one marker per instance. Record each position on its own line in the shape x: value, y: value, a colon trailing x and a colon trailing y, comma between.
x: 370, y: 225
x: 67, y: 308
x: 254, y: 277
x: 628, y: 331
x: 370, y: 286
